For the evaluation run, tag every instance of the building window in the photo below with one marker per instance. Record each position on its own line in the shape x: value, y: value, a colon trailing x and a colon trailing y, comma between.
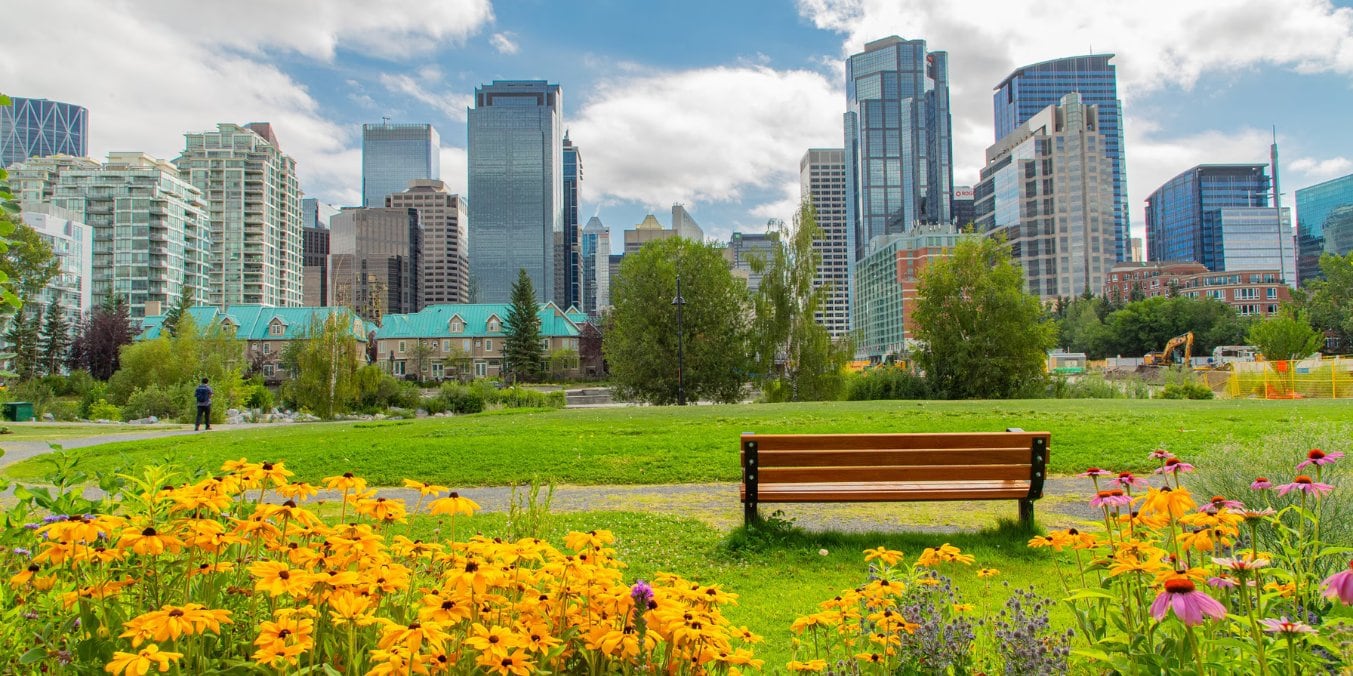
x: 401, y: 347
x: 267, y: 370
x: 397, y: 368
x: 446, y: 346
x: 437, y: 370
x: 481, y: 369
x: 267, y: 347
x: 457, y: 326
x: 493, y: 325
x: 1272, y: 293
x: 488, y: 345
x: 276, y: 329
x: 465, y: 344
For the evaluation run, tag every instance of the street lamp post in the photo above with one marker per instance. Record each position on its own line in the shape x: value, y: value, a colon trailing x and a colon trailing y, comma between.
x: 681, y: 370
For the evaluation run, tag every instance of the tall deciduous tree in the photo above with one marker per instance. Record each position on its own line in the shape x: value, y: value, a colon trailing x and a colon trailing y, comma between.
x: 108, y: 328
x: 8, y: 208
x: 1328, y: 302
x: 55, y: 340
x: 796, y: 359
x: 324, y: 366
x: 28, y: 262
x: 522, y: 353
x: 641, y: 339
x: 980, y: 334
x: 1285, y: 336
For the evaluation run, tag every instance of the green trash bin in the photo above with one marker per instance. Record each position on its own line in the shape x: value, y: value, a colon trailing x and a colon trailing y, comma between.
x: 18, y: 411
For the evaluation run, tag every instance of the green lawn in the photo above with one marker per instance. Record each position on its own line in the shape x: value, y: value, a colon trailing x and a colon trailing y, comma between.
x: 778, y: 580
x: 60, y: 431
x: 699, y: 443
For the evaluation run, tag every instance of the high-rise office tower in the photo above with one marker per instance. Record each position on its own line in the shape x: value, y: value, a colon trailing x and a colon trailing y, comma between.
x: 1048, y: 188
x: 569, y: 265
x: 1324, y: 224
x: 151, y: 237
x: 822, y: 179
x: 744, y: 246
x: 395, y: 154
x: 596, y: 264
x: 898, y: 139
x: 316, y: 214
x: 516, y: 186
x: 684, y: 224
x: 1030, y: 89
x: 254, y: 206
x: 373, y: 261
x: 38, y: 128
x: 964, y: 210
x: 444, y: 269
x: 315, y: 258
x: 1219, y: 215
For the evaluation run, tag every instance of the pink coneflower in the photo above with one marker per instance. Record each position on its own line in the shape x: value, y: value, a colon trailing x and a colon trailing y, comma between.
x: 1221, y: 582
x: 1126, y: 480
x: 1173, y: 464
x: 1218, y: 502
x: 1113, y: 498
x: 1160, y: 454
x: 1250, y: 513
x: 1095, y: 472
x: 1286, y: 626
x: 1305, y: 484
x: 1318, y: 457
x: 1261, y: 484
x: 1189, y: 605
x: 1340, y: 585
x: 1240, y: 564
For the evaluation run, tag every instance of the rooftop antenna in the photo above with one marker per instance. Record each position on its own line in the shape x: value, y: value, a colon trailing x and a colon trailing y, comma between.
x: 385, y: 119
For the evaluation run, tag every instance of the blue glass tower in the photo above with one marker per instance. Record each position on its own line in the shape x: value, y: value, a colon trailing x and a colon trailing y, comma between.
x: 898, y: 140
x: 1032, y: 88
x: 395, y: 154
x: 516, y: 187
x: 571, y: 254
x: 1185, y: 216
x: 38, y: 128
x: 1324, y: 224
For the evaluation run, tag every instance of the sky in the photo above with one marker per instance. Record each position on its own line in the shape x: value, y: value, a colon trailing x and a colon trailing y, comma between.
x: 710, y: 104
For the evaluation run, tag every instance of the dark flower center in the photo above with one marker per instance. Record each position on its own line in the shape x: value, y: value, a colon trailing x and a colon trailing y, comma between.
x: 267, y: 467
x: 284, y: 575
x: 347, y: 475
x: 1179, y: 585
x: 1302, y: 479
x: 176, y: 613
x: 1315, y: 454
x: 149, y: 532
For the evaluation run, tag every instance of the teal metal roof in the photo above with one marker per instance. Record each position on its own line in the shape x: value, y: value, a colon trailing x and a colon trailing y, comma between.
x: 253, y: 321
x: 434, y: 321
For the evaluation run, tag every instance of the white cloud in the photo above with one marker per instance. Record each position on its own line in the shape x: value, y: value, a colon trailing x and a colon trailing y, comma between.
x: 1311, y: 170
x: 451, y: 104
x: 1159, y: 43
x: 703, y: 135
x: 151, y: 71
x: 504, y: 43
x: 455, y: 168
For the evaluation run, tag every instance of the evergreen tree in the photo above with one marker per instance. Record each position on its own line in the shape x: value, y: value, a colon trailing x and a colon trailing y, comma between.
x: 522, y: 352
x: 55, y: 340
x: 175, y: 314
x: 23, y: 337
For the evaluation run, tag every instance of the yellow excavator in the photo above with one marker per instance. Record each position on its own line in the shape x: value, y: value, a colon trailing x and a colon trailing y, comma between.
x: 1166, y: 357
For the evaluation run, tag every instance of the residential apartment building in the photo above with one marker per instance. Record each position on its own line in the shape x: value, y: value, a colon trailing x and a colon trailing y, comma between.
x: 267, y: 330
x: 373, y: 261
x: 1030, y: 89
x: 38, y: 128
x: 1134, y: 280
x: 886, y: 291
x: 1047, y: 188
x: 444, y: 270
x: 72, y: 243
x: 150, y: 236
x: 1250, y: 292
x: 822, y: 179
x: 393, y: 155
x: 898, y: 139
x: 596, y: 268
x: 1324, y: 224
x: 517, y: 184
x: 462, y: 341
x: 253, y: 202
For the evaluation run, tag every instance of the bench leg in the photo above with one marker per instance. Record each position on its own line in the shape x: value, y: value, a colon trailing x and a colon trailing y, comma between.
x: 749, y: 514
x: 1026, y: 513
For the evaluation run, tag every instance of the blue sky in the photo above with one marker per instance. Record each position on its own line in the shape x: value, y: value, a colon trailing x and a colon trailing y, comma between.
x: 710, y: 104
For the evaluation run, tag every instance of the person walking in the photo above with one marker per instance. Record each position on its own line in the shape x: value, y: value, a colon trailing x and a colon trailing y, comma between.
x: 203, y: 395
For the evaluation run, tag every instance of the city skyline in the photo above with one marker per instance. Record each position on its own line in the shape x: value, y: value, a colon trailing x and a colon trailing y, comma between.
x: 1185, y: 103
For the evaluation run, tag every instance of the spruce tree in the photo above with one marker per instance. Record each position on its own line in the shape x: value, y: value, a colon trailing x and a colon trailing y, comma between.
x: 522, y: 352
x: 175, y: 314
x: 55, y: 340
x: 22, y: 337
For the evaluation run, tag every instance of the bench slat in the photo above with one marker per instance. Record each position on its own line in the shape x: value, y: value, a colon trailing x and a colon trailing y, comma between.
x: 771, y: 476
x: 867, y: 458
x: 894, y: 491
x: 938, y: 440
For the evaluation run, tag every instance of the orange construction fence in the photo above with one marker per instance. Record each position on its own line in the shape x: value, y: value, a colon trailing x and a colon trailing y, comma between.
x: 1327, y: 378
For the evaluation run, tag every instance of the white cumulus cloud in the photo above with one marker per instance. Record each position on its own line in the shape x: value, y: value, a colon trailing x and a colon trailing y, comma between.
x: 504, y: 43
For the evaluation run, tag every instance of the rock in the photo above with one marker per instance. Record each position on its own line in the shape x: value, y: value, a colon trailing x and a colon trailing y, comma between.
x: 380, y: 416
x: 48, y: 417
x: 152, y: 420
x: 233, y: 412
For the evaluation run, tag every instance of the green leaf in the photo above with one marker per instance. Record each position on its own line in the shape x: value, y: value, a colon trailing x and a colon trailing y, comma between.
x: 33, y: 656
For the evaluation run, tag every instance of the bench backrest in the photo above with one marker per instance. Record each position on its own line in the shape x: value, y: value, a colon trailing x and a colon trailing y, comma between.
x: 931, y: 457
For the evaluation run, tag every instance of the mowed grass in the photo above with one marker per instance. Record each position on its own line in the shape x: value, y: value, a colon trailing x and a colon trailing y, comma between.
x: 57, y: 431
x: 647, y: 445
x: 780, y: 578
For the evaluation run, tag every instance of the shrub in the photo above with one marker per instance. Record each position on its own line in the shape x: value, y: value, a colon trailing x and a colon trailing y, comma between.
x: 461, y: 399
x: 260, y: 397
x: 886, y: 382
x: 64, y: 410
x: 96, y: 392
x: 521, y: 397
x: 1186, y: 391
x: 434, y: 404
x: 102, y: 410
x: 379, y: 391
x: 77, y: 383
x: 166, y: 403
x: 37, y: 392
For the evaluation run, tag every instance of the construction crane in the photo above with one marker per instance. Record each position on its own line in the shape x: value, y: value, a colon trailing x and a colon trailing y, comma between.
x: 1166, y: 356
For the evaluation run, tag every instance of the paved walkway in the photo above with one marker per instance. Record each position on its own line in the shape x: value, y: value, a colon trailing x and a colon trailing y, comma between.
x: 19, y: 450
x: 1065, y: 500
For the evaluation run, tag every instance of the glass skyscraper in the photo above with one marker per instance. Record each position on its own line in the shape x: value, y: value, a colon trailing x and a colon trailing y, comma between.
x: 38, y: 128
x: 1324, y: 224
x: 570, y: 255
x: 1219, y: 215
x: 898, y: 139
x: 395, y: 154
x: 1032, y: 88
x: 516, y: 186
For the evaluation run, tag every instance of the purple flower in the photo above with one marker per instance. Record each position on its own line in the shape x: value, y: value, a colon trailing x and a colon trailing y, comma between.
x: 1261, y: 484
x: 1318, y: 457
x: 32, y: 526
x: 1160, y: 454
x: 1218, y: 502
x: 1113, y: 498
x: 1095, y: 472
x: 1286, y: 626
x: 22, y: 552
x: 1126, y: 480
x: 1305, y: 484
x: 1189, y: 605
x: 1340, y: 585
x: 641, y: 593
x: 1221, y: 582
x: 1173, y: 464
x: 53, y: 518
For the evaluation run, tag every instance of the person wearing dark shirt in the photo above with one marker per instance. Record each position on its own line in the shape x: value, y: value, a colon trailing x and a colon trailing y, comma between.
x: 203, y: 395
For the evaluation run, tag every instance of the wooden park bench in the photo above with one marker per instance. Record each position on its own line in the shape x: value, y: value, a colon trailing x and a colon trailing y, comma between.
x: 779, y: 468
